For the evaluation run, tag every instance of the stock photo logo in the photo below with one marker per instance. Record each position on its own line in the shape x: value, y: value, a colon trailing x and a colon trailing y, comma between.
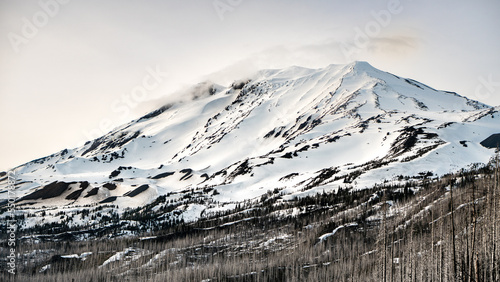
x: 222, y: 7
x: 486, y: 87
x: 371, y: 30
x: 123, y: 106
x: 32, y: 26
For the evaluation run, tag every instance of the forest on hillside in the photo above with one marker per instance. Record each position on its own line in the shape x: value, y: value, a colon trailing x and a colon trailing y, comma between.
x: 426, y: 228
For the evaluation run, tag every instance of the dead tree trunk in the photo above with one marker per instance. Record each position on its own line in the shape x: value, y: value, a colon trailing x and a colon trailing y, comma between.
x: 494, y: 218
x: 453, y: 233
x: 472, y: 261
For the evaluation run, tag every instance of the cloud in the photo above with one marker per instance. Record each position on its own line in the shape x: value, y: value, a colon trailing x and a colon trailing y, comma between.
x: 91, y: 53
x: 394, y: 45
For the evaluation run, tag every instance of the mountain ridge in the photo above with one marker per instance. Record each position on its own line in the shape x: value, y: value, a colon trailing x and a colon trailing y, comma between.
x: 297, y: 131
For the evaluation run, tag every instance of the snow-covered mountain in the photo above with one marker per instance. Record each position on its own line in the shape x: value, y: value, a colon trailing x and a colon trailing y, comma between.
x: 286, y: 133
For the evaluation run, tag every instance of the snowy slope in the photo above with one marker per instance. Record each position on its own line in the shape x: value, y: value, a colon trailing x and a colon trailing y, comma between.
x: 295, y: 130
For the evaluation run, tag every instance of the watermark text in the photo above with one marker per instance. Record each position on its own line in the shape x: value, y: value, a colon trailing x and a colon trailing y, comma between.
x: 31, y: 27
x: 11, y: 223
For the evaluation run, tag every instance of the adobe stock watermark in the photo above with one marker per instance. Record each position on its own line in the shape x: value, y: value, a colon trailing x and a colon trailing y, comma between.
x: 486, y: 87
x: 372, y: 29
x: 11, y: 223
x: 30, y: 28
x: 122, y: 107
x: 223, y: 6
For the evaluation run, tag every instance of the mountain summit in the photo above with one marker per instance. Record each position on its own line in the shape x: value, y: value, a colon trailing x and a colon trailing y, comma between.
x: 290, y: 132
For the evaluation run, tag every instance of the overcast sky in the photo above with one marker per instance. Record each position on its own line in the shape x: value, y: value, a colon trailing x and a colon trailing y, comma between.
x: 68, y: 69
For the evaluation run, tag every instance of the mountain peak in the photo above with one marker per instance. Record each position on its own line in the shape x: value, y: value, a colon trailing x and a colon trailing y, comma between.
x: 361, y: 65
x: 298, y: 131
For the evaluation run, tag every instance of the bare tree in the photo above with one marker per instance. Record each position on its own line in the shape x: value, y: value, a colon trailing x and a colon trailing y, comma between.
x: 494, y: 268
x: 432, y: 245
x: 453, y: 232
x: 472, y: 259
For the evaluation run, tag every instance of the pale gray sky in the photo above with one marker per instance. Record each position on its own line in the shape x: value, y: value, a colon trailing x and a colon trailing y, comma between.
x: 68, y: 68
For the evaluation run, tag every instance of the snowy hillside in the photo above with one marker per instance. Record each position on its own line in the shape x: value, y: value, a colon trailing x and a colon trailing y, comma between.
x: 287, y: 133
